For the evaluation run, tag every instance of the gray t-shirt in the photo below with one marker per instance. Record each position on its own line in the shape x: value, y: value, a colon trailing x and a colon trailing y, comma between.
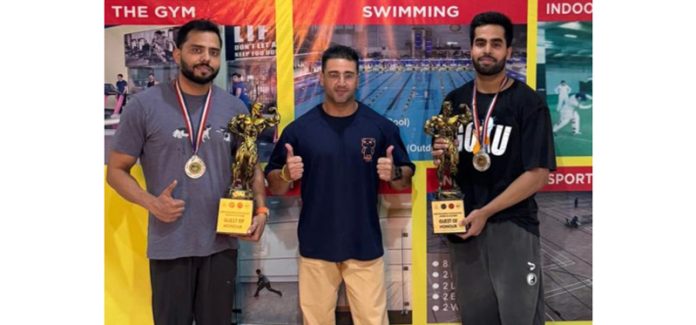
x: 153, y: 129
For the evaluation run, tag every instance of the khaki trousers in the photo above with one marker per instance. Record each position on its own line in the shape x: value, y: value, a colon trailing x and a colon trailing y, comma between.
x: 319, y: 281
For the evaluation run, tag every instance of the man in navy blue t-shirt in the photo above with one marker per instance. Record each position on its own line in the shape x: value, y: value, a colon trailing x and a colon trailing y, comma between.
x: 340, y: 150
x: 122, y: 87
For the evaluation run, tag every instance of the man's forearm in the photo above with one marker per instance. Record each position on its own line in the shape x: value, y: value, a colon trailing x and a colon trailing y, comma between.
x: 521, y: 188
x: 276, y: 184
x: 126, y: 186
x: 259, y: 187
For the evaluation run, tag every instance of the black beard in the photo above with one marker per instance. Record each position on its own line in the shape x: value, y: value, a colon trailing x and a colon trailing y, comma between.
x: 490, y: 71
x: 188, y: 73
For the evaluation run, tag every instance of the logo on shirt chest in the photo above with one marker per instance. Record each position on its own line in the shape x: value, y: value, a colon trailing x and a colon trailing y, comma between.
x: 181, y: 133
x: 498, y: 135
x: 368, y: 148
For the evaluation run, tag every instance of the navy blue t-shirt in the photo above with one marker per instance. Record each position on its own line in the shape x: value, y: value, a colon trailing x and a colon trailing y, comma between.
x: 121, y: 86
x: 339, y: 219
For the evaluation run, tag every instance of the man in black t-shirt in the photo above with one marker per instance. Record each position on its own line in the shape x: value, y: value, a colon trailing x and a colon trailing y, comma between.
x: 496, y: 262
x: 151, y: 81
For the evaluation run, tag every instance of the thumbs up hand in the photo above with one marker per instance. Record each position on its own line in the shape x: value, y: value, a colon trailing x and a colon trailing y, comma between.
x: 294, y: 167
x: 385, y: 165
x: 165, y: 207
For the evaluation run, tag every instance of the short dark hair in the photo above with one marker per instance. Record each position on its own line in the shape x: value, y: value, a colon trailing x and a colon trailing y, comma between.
x: 200, y: 25
x: 340, y: 52
x: 492, y: 18
x: 235, y: 74
x: 120, y: 75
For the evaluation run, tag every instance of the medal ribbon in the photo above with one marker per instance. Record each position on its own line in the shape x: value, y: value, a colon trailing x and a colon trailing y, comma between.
x: 187, y: 118
x: 478, y: 132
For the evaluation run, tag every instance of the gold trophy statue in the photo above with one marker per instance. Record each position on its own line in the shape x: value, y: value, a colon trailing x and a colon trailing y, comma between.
x: 448, y: 205
x: 236, y: 210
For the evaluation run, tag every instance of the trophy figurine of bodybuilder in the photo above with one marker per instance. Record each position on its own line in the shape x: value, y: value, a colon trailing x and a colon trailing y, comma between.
x: 448, y: 205
x: 236, y: 210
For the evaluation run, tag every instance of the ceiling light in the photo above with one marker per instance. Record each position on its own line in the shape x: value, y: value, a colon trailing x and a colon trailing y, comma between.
x: 572, y: 25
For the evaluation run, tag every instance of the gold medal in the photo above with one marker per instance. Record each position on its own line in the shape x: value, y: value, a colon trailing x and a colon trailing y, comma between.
x: 195, y: 167
x: 482, y: 161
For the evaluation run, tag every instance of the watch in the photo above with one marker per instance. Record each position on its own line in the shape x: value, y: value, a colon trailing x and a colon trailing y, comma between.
x: 398, y: 173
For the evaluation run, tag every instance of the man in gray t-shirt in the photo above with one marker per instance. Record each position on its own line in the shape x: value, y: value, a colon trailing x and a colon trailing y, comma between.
x: 172, y: 128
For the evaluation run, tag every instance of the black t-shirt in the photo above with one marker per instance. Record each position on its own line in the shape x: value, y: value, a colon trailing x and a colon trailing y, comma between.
x: 521, y: 139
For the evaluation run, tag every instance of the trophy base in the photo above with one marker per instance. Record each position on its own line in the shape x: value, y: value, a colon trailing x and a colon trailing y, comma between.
x: 240, y: 194
x: 449, y: 195
x: 235, y: 213
x: 448, y: 212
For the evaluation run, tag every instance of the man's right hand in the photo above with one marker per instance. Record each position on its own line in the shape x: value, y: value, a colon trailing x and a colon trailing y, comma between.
x: 165, y: 207
x: 439, y: 147
x: 294, y: 166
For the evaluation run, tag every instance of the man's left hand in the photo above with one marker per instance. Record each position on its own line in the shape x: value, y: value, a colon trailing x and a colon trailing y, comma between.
x: 385, y: 166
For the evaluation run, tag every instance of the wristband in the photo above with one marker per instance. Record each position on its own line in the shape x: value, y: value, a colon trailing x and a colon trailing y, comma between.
x: 398, y: 173
x: 263, y: 210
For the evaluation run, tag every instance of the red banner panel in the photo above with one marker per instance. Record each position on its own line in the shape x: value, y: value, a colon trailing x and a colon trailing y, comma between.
x: 570, y: 179
x: 564, y: 10
x: 169, y: 12
x: 564, y: 179
x: 401, y: 12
